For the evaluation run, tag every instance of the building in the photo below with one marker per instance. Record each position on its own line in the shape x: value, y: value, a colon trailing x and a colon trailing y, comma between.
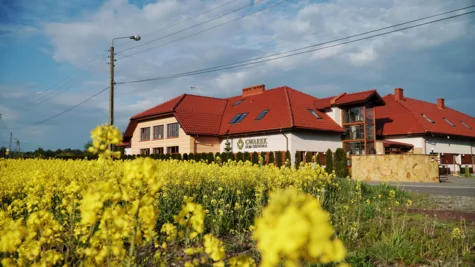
x: 283, y: 119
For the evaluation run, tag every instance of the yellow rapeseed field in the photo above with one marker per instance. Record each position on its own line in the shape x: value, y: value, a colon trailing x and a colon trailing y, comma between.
x: 152, y: 212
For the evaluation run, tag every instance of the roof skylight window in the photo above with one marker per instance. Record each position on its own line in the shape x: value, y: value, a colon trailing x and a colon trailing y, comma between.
x: 263, y: 113
x: 466, y: 125
x: 314, y: 113
x: 241, y: 118
x: 449, y: 122
x: 238, y: 102
x: 238, y: 118
x: 427, y: 118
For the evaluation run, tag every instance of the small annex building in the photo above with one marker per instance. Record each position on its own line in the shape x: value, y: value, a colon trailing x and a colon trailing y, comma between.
x: 280, y: 119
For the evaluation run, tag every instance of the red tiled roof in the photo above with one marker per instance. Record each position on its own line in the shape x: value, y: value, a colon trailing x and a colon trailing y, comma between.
x: 200, y: 115
x: 345, y: 98
x: 404, y: 117
x: 159, y: 109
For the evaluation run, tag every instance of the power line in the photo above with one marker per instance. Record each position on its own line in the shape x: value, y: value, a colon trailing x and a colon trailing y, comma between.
x: 67, y: 110
x: 207, y: 29
x: 180, y: 22
x: 249, y: 62
x: 191, y: 27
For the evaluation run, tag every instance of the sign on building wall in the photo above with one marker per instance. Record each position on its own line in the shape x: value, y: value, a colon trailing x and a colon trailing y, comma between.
x: 252, y: 143
x: 272, y: 142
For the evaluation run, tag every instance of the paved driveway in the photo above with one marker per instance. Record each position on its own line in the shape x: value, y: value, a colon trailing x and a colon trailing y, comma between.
x: 453, y: 186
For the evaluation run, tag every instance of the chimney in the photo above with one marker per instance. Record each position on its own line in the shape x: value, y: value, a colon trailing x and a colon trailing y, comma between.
x: 440, y: 103
x: 253, y: 90
x: 399, y: 94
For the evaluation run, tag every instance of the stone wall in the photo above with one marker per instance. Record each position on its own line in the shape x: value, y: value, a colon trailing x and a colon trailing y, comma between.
x: 400, y: 168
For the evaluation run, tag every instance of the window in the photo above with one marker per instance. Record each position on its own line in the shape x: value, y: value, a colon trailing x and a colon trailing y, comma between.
x: 238, y: 102
x: 145, y: 134
x: 355, y: 148
x: 427, y: 118
x: 172, y: 130
x: 466, y: 125
x: 369, y: 132
x: 314, y: 113
x: 158, y: 132
x: 238, y: 118
x: 263, y: 113
x: 449, y: 122
x: 158, y: 150
x: 145, y: 151
x: 172, y: 150
x: 354, y: 132
x: 242, y: 117
x: 354, y: 114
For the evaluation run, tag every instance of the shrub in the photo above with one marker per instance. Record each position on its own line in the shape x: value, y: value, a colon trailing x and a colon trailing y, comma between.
x: 231, y: 156
x: 191, y: 156
x: 271, y: 157
x: 185, y: 156
x: 178, y: 156
x: 224, y: 156
x: 297, y: 159
x: 247, y: 156
x: 210, y: 157
x: 263, y: 155
x: 308, y: 156
x: 239, y: 156
x: 329, y: 161
x: 255, y: 158
x: 288, y: 157
x: 340, y: 163
x: 217, y: 155
x: 278, y: 158
x: 318, y: 158
x: 204, y: 156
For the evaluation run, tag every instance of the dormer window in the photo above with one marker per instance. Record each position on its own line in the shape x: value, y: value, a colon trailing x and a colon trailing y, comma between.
x: 314, y: 113
x: 449, y: 122
x: 466, y: 125
x: 427, y: 118
x: 238, y: 118
x: 238, y: 102
x: 263, y: 113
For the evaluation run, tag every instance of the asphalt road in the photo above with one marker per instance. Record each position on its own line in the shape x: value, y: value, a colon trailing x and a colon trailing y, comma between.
x: 453, y: 186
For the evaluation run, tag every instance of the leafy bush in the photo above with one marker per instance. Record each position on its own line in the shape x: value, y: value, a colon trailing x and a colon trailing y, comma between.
x: 239, y: 156
x: 308, y: 157
x: 340, y: 163
x: 278, y: 158
x: 255, y: 158
x: 297, y: 159
x: 329, y: 161
x: 263, y: 155
x: 271, y: 158
x: 247, y: 156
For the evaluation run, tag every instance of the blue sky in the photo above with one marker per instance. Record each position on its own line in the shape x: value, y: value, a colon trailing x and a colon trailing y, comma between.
x: 46, y: 48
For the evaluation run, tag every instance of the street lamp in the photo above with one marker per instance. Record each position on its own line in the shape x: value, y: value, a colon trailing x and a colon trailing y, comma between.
x: 112, y: 60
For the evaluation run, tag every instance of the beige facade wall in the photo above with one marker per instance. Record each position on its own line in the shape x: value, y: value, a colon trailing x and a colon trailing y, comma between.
x: 379, y: 147
x: 184, y: 142
x: 395, y: 168
x: 205, y: 144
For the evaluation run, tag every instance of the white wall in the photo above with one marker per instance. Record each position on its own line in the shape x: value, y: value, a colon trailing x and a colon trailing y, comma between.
x: 318, y: 142
x: 273, y: 142
x: 444, y: 145
x: 335, y: 114
x: 128, y: 151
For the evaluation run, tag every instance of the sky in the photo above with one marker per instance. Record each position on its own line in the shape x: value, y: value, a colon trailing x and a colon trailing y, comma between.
x: 54, y: 55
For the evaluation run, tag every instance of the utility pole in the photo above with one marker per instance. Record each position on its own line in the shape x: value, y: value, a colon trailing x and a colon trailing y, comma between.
x: 11, y: 137
x: 111, y: 86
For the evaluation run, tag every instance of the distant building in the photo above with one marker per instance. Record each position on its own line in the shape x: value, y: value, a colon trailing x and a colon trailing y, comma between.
x: 283, y: 119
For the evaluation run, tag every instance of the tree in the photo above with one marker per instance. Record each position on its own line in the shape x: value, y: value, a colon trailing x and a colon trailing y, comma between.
x: 297, y: 159
x: 210, y: 157
x: 329, y: 161
x: 278, y: 159
x: 263, y: 155
x: 255, y: 158
x: 239, y: 156
x: 340, y: 163
x: 288, y: 159
x: 247, y: 156
x: 271, y: 158
x: 308, y: 157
